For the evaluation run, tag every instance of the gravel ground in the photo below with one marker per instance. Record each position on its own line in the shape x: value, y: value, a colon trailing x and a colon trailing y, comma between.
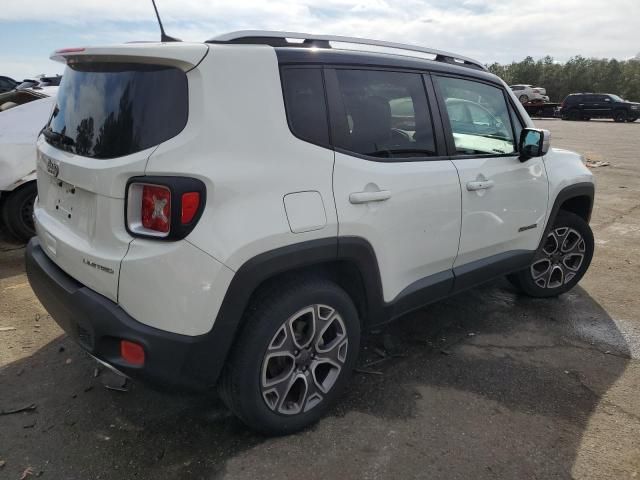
x: 489, y: 384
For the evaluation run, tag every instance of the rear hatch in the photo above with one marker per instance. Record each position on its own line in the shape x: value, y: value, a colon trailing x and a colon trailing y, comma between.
x: 114, y: 107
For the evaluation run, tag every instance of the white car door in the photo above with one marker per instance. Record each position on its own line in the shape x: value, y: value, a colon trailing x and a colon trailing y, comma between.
x: 391, y: 187
x: 504, y: 200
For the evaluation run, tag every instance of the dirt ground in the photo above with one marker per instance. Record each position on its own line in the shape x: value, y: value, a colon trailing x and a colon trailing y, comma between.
x: 489, y: 385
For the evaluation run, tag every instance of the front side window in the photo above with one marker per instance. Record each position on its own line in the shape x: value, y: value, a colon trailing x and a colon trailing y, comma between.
x: 108, y: 110
x: 479, y: 117
x: 305, y: 104
x: 385, y: 114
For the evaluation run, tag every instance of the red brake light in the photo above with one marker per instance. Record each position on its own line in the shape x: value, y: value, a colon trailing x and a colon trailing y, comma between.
x: 132, y: 352
x: 190, y: 204
x: 156, y: 208
x: 70, y: 50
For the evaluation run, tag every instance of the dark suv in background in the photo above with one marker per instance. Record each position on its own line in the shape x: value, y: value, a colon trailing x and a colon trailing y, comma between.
x: 585, y: 106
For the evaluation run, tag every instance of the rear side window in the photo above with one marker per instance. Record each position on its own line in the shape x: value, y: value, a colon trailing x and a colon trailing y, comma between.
x: 479, y: 117
x: 108, y: 110
x: 304, y: 101
x: 383, y: 114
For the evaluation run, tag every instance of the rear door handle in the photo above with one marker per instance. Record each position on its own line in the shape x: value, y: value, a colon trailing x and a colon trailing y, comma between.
x: 479, y: 185
x: 366, y: 197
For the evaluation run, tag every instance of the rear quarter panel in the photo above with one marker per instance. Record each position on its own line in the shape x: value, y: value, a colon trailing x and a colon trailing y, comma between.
x: 238, y: 143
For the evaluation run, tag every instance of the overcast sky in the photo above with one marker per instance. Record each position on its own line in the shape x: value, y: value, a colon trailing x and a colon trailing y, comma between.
x: 488, y: 30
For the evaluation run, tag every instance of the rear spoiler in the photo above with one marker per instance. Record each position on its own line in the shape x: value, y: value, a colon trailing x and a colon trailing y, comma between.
x: 182, y: 55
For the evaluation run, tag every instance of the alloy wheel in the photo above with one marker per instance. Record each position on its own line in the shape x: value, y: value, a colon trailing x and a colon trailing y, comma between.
x: 303, y: 360
x: 560, y: 259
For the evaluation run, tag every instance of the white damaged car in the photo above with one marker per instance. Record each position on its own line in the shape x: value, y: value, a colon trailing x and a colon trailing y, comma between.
x: 23, y: 113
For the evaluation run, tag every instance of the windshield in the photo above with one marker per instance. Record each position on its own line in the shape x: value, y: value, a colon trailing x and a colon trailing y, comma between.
x: 616, y: 98
x: 108, y: 110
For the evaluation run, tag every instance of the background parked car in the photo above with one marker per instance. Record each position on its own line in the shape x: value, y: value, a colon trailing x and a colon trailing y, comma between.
x: 7, y: 84
x: 585, y: 106
x: 23, y: 113
x: 529, y: 93
x: 40, y: 81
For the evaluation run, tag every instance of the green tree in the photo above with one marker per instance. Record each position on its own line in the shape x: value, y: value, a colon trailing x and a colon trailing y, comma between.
x: 578, y: 74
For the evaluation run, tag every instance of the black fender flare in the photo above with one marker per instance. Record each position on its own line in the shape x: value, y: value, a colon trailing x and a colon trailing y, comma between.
x: 582, y: 189
x: 209, y: 359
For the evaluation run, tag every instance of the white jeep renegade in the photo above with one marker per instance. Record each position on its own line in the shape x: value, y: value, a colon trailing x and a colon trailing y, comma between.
x: 235, y: 213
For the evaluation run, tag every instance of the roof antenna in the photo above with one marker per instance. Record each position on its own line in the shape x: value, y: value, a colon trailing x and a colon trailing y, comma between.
x: 163, y: 36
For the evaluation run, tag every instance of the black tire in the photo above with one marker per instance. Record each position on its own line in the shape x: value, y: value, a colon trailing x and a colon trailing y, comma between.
x: 632, y: 119
x: 17, y: 212
x: 242, y: 385
x: 523, y: 98
x: 550, y: 285
x: 586, y: 119
x: 620, y: 116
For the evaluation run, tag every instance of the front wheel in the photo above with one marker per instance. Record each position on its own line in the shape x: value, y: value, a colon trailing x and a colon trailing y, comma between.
x: 294, y: 356
x: 620, y: 116
x: 561, y: 260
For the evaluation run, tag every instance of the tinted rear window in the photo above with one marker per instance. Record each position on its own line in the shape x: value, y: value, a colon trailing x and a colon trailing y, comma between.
x: 108, y: 110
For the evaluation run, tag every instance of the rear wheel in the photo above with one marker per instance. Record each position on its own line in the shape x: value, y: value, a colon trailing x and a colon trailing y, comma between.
x: 523, y: 98
x: 294, y: 356
x: 17, y: 212
x: 620, y: 116
x: 561, y: 260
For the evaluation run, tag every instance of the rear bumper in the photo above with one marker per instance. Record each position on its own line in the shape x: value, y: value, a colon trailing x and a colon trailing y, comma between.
x: 97, y: 324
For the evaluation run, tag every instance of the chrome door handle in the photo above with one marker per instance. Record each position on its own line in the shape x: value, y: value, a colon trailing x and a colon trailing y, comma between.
x: 366, y: 197
x: 479, y: 185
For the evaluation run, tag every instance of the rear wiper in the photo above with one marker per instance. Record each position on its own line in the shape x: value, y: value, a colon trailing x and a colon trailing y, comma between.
x: 57, y: 137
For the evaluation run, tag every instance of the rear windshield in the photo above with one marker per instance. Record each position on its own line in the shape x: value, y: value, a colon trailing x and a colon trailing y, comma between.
x: 108, y: 110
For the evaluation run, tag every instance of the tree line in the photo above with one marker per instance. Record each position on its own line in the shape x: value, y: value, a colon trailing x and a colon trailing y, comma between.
x: 579, y: 74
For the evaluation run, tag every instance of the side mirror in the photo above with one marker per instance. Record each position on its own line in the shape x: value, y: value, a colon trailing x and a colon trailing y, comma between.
x: 534, y: 142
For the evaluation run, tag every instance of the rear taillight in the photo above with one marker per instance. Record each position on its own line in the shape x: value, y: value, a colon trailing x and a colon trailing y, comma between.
x: 165, y: 208
x: 155, y: 210
x: 190, y: 205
